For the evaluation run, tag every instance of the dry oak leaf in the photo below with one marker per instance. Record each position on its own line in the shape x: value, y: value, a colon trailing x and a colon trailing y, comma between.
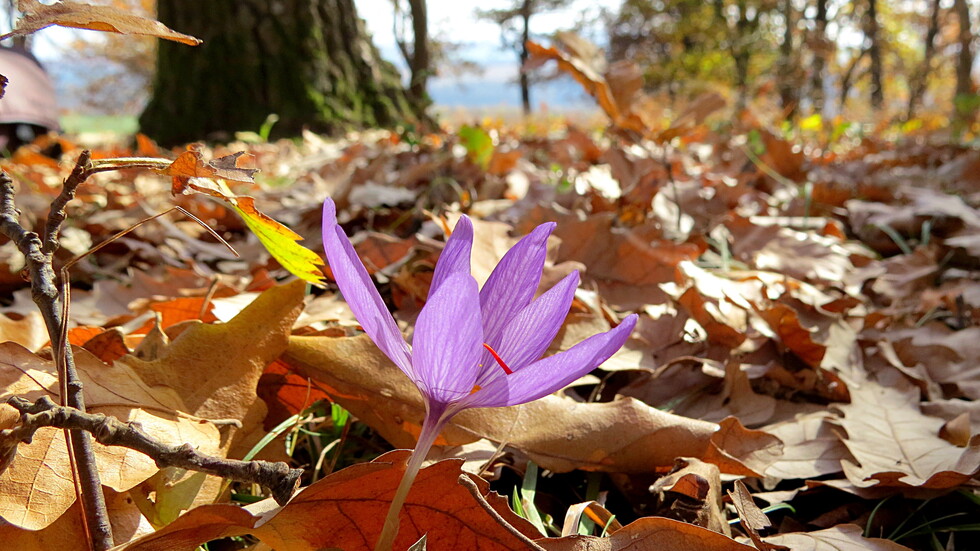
x: 843, y: 537
x: 96, y: 18
x: 896, y: 446
x: 649, y: 534
x: 810, y: 447
x: 346, y: 510
x: 28, y: 331
x: 191, y: 173
x: 214, y: 369
x: 558, y: 433
x: 37, y: 488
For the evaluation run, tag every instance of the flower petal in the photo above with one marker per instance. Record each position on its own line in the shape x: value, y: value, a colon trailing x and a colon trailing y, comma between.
x: 552, y: 373
x: 513, y: 282
x: 360, y: 293
x: 455, y: 256
x: 449, y: 340
x: 532, y: 330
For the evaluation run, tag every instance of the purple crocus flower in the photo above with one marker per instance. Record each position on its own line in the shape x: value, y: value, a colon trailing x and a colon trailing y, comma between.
x: 472, y: 347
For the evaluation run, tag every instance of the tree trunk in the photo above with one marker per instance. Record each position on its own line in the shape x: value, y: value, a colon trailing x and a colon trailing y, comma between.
x: 420, y: 62
x: 874, y: 51
x: 788, y: 98
x: 819, y: 56
x: 310, y: 62
x: 964, y: 107
x: 525, y: 36
x: 917, y: 86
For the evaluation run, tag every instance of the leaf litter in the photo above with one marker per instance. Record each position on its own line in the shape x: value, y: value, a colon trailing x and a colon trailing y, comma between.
x: 821, y: 350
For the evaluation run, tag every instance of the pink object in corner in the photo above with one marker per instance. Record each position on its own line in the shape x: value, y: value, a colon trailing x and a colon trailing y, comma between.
x: 29, y: 105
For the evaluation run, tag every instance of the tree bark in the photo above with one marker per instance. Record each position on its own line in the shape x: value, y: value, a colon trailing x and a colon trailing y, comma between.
x: 874, y: 51
x: 819, y: 56
x: 788, y: 98
x: 964, y: 109
x: 526, y: 10
x: 310, y: 62
x: 917, y: 86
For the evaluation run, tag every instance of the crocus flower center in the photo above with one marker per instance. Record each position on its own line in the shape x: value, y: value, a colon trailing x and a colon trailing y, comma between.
x: 497, y: 357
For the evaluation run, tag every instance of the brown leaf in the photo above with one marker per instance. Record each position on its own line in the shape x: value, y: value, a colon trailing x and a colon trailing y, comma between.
x: 96, y: 18
x: 896, y: 446
x: 28, y: 331
x: 649, y: 534
x: 37, y: 488
x: 558, y: 433
x: 844, y: 537
x: 214, y: 369
x: 751, y: 517
x: 691, y: 492
x: 346, y: 510
x: 810, y: 448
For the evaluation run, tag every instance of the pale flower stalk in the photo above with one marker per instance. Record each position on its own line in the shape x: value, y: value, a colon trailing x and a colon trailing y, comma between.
x: 472, y: 347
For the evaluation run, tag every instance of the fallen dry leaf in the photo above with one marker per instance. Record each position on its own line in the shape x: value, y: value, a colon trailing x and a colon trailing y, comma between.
x: 649, y: 534
x: 557, y: 433
x: 346, y: 510
x: 843, y: 537
x: 896, y: 446
x: 86, y: 16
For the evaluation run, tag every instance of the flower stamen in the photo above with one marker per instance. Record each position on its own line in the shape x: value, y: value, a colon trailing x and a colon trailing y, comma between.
x: 500, y: 361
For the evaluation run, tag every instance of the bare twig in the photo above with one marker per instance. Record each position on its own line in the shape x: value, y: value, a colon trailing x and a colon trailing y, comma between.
x: 465, y: 480
x: 44, y: 291
x: 281, y: 480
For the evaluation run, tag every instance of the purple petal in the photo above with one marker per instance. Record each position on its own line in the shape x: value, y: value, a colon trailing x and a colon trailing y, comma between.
x: 552, y: 373
x: 513, y: 282
x: 449, y: 340
x: 360, y: 293
x: 532, y: 330
x: 455, y: 256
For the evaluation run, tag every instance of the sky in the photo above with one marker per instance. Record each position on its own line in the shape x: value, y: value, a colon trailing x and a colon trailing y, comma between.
x: 494, y: 85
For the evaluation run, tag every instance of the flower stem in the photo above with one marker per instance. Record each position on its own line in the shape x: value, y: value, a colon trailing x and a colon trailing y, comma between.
x: 430, y: 430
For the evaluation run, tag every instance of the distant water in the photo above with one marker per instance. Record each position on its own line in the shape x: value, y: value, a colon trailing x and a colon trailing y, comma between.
x: 560, y: 94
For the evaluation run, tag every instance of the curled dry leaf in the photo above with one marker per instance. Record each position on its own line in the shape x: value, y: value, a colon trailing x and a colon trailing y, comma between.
x: 691, y: 493
x: 280, y: 241
x: 346, y: 509
x: 96, y: 18
x: 557, y: 433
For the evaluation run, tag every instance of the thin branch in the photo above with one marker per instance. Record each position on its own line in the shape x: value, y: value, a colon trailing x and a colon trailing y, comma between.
x: 281, y: 480
x: 56, y: 216
x: 44, y: 291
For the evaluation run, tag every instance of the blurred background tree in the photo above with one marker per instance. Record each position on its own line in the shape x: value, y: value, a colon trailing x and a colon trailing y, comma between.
x: 310, y: 62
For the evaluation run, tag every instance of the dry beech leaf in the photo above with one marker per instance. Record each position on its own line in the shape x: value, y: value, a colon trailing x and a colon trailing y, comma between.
x: 896, y: 446
x: 346, y: 510
x: 649, y: 534
x: 843, y: 537
x: 96, y: 18
x: 557, y: 433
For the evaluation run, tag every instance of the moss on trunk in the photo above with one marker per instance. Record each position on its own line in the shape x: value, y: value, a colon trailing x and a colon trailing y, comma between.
x: 309, y: 61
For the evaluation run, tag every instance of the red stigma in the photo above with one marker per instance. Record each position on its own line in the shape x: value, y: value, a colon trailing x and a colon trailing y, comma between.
x: 500, y: 361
